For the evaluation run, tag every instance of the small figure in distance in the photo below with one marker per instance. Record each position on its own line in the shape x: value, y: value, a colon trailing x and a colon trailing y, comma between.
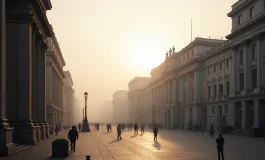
x: 220, y: 146
x: 155, y: 131
x: 119, y: 132
x: 142, y: 128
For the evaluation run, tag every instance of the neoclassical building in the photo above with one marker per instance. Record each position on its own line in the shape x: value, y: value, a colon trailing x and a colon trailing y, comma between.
x: 120, y: 106
x: 69, y: 97
x: 139, y: 100
x: 24, y: 32
x: 216, y: 81
x: 54, y: 84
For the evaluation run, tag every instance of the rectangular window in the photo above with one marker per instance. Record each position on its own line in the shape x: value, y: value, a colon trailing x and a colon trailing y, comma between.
x: 213, y: 110
x: 227, y: 63
x: 220, y: 66
x: 241, y: 56
x: 214, y: 91
x: 209, y: 91
x: 241, y: 80
x: 239, y: 19
x: 254, y: 78
x: 224, y: 120
x: 221, y: 89
x: 251, y: 12
x: 214, y: 68
x: 227, y: 88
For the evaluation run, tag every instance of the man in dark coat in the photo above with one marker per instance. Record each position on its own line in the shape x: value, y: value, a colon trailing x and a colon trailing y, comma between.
x: 119, y: 132
x: 79, y: 127
x: 73, y: 136
x: 155, y: 131
x: 220, y: 146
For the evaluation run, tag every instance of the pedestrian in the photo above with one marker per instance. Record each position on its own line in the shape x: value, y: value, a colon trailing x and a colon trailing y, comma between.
x: 73, y: 136
x: 220, y: 146
x: 56, y: 130
x: 155, y: 131
x: 142, y: 128
x: 135, y: 127
x: 212, y: 130
x: 79, y: 127
x: 119, y: 132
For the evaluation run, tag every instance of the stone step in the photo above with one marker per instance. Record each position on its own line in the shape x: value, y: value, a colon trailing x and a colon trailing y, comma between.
x: 20, y: 147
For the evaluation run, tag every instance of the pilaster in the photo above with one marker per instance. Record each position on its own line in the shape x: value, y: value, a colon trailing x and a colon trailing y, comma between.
x: 246, y: 69
x: 259, y: 65
x: 234, y: 74
x: 19, y: 87
x: 6, y: 132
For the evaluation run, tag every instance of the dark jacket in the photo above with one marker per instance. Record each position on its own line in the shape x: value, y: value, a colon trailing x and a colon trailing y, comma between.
x: 155, y: 131
x: 118, y: 129
x: 220, y: 142
x: 73, y: 135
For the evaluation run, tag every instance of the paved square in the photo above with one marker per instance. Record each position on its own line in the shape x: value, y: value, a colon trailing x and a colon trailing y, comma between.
x: 172, y: 144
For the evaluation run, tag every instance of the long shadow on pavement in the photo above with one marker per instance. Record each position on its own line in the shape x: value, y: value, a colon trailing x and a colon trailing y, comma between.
x: 157, y: 145
x: 113, y: 141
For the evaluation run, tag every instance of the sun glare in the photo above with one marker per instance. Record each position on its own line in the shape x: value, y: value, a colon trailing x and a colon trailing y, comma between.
x: 145, y: 59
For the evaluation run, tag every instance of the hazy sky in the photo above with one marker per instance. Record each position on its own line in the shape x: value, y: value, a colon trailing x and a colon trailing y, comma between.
x: 106, y: 43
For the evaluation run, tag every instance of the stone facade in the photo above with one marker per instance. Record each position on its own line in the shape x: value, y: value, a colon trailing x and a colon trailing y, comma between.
x: 216, y: 81
x: 24, y: 32
x: 68, y: 104
x: 140, y: 105
x: 120, y: 106
x: 54, y: 84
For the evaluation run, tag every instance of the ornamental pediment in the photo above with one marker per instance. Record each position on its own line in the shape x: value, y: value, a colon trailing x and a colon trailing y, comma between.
x: 214, y: 81
x: 227, y: 77
x: 220, y: 79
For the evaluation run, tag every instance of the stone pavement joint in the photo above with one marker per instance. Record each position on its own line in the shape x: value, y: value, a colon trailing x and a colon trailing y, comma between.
x: 102, y: 148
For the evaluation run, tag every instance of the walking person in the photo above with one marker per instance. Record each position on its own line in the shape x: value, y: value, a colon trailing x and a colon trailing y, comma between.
x: 212, y: 130
x: 73, y: 136
x: 155, y: 131
x: 142, y: 128
x: 135, y: 127
x: 56, y: 130
x: 220, y: 146
x: 119, y: 132
x: 79, y: 127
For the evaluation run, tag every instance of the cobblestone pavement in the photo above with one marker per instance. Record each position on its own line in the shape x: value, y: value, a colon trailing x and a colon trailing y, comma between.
x: 172, y: 144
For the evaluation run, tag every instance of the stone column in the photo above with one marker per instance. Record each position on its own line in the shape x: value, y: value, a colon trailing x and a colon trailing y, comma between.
x: 188, y: 88
x: 36, y: 79
x: 197, y: 86
x: 259, y: 65
x: 246, y: 69
x: 181, y: 89
x: 234, y: 74
x: 20, y: 79
x: 243, y: 114
x: 6, y: 132
x: 257, y: 113
x: 43, y: 107
x: 174, y: 98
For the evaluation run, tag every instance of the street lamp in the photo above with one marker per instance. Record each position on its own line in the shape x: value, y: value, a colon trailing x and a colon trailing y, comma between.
x: 153, y: 114
x: 85, y: 127
x: 83, y: 113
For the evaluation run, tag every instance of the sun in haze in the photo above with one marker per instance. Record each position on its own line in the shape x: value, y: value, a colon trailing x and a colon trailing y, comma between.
x: 144, y: 59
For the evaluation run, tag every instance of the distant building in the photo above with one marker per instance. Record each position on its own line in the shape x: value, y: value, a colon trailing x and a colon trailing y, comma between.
x: 105, y: 112
x: 120, y: 106
x: 140, y: 100
x: 54, y: 83
x: 68, y: 106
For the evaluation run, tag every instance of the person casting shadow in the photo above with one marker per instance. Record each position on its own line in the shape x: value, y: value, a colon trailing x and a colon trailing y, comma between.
x: 155, y: 131
x: 220, y: 146
x: 73, y: 136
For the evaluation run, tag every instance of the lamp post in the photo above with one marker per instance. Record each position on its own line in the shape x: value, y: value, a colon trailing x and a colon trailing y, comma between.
x: 85, y: 127
x: 83, y: 113
x: 153, y: 114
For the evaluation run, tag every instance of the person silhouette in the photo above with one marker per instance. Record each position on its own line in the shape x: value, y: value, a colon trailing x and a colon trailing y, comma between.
x: 220, y: 146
